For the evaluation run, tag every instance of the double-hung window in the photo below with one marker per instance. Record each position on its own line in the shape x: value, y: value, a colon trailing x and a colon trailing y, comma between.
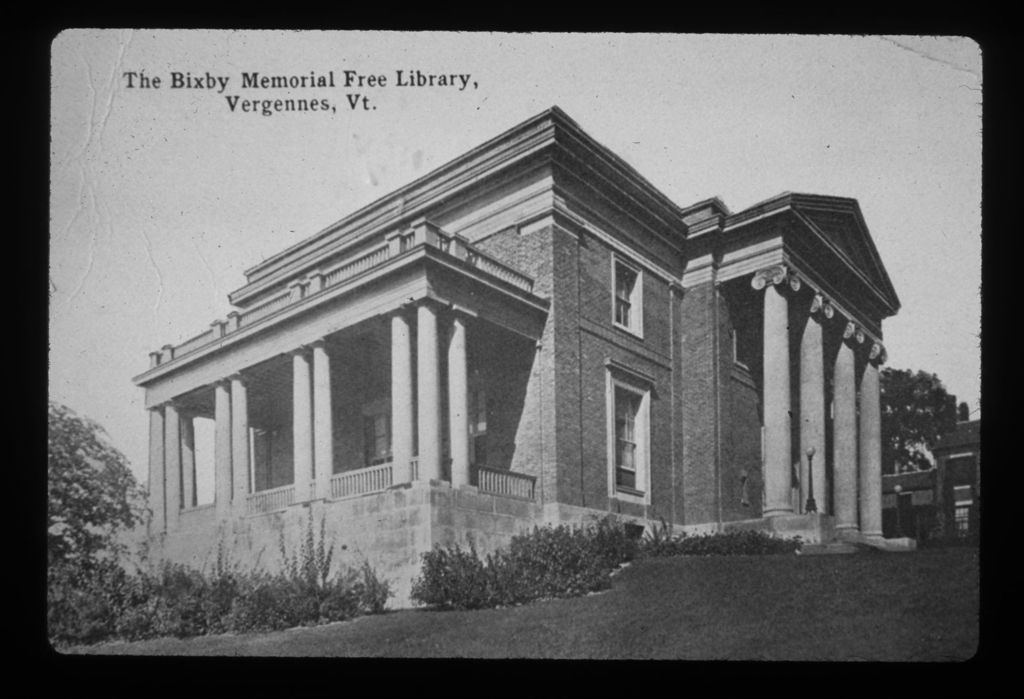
x: 627, y: 310
x: 627, y: 408
x: 629, y: 437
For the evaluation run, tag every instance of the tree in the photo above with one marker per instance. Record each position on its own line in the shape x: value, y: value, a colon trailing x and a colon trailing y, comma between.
x: 92, y: 494
x: 916, y: 411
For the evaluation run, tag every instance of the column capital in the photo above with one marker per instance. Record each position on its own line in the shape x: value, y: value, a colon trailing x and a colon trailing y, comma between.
x: 237, y: 376
x: 300, y: 351
x: 775, y: 275
x: 319, y: 343
x: 877, y: 354
x: 822, y: 307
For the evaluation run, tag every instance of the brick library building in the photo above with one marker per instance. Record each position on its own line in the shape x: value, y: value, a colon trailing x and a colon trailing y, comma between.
x: 530, y: 334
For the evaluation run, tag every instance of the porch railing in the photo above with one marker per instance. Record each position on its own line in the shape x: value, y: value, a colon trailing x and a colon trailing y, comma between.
x: 264, y: 309
x: 356, y: 266
x: 361, y: 481
x: 497, y: 269
x: 193, y: 343
x: 346, y: 270
x: 270, y: 500
x: 507, y: 483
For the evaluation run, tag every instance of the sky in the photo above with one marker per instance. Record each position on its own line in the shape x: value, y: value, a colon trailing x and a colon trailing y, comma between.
x: 161, y: 196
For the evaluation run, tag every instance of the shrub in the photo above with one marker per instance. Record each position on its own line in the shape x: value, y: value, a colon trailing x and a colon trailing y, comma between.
x: 453, y: 578
x: 375, y: 592
x: 101, y: 601
x: 659, y: 541
x: 549, y: 561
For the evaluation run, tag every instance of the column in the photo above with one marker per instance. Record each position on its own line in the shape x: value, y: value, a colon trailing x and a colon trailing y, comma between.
x: 429, y: 392
x: 777, y: 439
x: 172, y: 464
x: 156, y: 469
x: 401, y: 398
x: 239, y: 445
x: 323, y: 423
x: 812, y: 408
x: 870, y: 449
x: 222, y: 449
x: 458, y: 403
x: 302, y: 425
x: 844, y: 436
x: 188, y: 462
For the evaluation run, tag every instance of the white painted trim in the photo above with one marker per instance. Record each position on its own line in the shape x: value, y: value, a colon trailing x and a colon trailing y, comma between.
x: 643, y: 430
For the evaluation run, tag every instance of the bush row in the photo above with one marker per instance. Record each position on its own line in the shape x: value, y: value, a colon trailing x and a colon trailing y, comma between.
x: 101, y: 601
x: 660, y: 542
x: 547, y: 562
x: 564, y: 561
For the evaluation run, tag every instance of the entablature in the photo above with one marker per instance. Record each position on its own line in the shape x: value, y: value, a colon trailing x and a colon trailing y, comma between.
x: 366, y: 285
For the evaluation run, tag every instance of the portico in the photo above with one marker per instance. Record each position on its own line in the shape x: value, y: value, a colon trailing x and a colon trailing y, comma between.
x: 854, y: 428
x: 365, y: 405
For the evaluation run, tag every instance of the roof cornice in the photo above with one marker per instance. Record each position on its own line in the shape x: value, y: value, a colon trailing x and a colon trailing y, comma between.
x: 537, y: 139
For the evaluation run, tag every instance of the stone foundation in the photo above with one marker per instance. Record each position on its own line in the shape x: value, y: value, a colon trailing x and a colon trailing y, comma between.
x: 390, y: 530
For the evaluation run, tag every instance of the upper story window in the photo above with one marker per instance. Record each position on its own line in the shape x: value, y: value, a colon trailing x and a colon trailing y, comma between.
x: 627, y: 312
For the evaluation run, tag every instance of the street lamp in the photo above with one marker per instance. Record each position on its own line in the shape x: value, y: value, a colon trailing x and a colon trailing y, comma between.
x: 899, y: 524
x: 811, y: 506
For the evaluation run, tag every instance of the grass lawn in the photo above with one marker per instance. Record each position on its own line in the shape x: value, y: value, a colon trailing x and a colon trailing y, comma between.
x: 920, y: 606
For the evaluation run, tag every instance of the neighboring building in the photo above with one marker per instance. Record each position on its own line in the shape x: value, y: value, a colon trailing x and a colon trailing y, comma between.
x: 958, y: 463
x: 532, y: 333
x: 909, y: 504
x: 944, y: 501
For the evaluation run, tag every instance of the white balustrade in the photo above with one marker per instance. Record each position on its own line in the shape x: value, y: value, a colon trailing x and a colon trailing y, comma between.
x: 270, y: 500
x: 356, y: 266
x: 495, y: 268
x: 264, y: 309
x: 353, y: 267
x: 193, y: 343
x: 507, y: 483
x: 361, y: 481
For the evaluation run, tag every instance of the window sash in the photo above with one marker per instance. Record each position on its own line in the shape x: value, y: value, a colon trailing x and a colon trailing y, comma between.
x: 625, y: 293
x: 627, y: 405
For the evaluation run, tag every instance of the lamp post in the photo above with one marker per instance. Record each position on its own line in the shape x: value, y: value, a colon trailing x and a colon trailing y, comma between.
x: 899, y: 524
x: 811, y: 506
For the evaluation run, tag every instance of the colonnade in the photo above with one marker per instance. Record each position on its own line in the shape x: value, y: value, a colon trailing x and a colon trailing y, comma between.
x: 172, y: 444
x: 856, y: 439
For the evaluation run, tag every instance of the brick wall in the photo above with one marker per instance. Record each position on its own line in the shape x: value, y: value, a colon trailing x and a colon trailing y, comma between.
x: 697, y: 489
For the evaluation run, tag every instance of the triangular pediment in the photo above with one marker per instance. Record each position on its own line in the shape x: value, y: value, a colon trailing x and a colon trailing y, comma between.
x: 839, y: 222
